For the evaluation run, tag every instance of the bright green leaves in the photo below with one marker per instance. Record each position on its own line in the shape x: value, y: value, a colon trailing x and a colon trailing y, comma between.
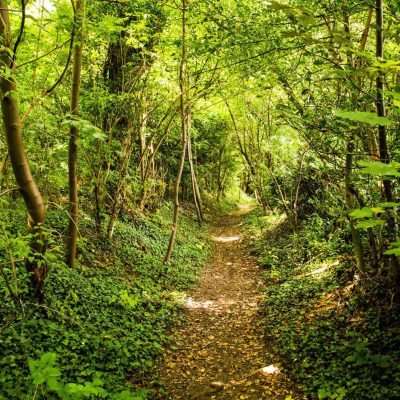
x: 108, y: 27
x: 364, y: 116
x: 380, y: 169
x: 302, y: 15
x: 279, y: 6
x: 45, y: 373
x: 139, y: 33
x: 44, y: 370
x: 124, y: 299
x: 365, y: 212
x: 87, y: 390
x: 339, y: 394
x: 88, y: 133
x: 370, y: 215
x: 395, y: 97
x: 395, y: 250
x: 370, y: 223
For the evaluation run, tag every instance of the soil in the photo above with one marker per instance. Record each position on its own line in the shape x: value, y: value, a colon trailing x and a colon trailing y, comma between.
x: 221, y: 352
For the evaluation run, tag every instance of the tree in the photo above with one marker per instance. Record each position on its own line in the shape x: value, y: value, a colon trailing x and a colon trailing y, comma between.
x: 12, y: 127
x: 73, y: 150
x: 184, y: 131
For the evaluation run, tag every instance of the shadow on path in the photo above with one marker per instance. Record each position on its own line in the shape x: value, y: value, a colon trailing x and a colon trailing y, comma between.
x: 221, y: 353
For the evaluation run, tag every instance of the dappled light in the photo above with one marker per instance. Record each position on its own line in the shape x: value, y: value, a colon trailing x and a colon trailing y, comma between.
x: 270, y: 370
x: 221, y: 349
x: 318, y: 273
x: 210, y: 304
x: 226, y: 239
x: 199, y: 200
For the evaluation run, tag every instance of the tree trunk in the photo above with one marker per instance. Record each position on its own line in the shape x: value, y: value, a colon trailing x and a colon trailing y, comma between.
x: 195, y: 187
x: 184, y: 124
x: 73, y: 138
x: 120, y: 188
x: 13, y: 131
x: 382, y: 137
x: 380, y: 102
x: 355, y: 234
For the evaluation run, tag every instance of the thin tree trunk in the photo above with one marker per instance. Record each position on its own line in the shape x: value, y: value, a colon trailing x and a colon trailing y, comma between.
x: 143, y: 150
x: 120, y: 190
x: 97, y: 200
x: 184, y: 122
x: 3, y: 170
x: 380, y: 102
x: 355, y: 234
x: 382, y: 137
x: 13, y: 131
x: 283, y: 198
x: 297, y: 195
x: 73, y: 138
x: 220, y: 176
x: 142, y: 139
x: 195, y: 186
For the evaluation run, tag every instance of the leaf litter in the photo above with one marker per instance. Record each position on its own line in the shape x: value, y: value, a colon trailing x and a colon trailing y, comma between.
x: 220, y: 351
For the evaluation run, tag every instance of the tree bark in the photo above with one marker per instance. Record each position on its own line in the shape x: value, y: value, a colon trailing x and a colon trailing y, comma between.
x: 380, y: 101
x: 382, y: 137
x: 195, y: 187
x: 13, y: 131
x: 355, y: 234
x: 184, y: 124
x: 73, y: 138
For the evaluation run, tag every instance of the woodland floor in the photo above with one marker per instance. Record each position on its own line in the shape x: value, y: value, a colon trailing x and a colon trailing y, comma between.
x: 221, y: 352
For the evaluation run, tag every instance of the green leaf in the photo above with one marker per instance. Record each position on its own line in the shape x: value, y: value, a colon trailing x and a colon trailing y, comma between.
x: 389, y: 204
x: 370, y: 223
x: 377, y: 210
x: 380, y: 169
x: 323, y: 394
x: 395, y: 97
x: 365, y: 212
x: 364, y: 116
x: 395, y: 252
x: 279, y: 6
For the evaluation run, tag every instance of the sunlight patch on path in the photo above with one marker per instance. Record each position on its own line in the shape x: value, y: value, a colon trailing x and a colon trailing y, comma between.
x: 209, y: 304
x: 226, y: 239
x: 221, y: 351
x: 270, y: 370
x: 218, y: 305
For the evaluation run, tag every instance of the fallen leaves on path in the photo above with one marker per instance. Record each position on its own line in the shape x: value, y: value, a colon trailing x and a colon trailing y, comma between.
x: 221, y: 352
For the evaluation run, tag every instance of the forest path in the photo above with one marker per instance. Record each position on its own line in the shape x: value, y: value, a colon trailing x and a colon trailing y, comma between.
x: 221, y: 351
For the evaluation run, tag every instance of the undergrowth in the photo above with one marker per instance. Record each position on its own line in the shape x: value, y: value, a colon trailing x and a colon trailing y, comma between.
x: 103, y: 324
x: 322, y: 314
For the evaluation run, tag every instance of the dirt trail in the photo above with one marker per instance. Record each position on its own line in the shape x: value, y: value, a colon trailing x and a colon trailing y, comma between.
x: 222, y: 347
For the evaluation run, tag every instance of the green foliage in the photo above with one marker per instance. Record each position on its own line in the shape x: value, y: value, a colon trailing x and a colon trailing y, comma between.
x: 395, y: 249
x: 371, y: 223
x: 335, y: 347
x: 88, y: 133
x: 364, y: 116
x: 263, y: 124
x: 102, y: 323
x: 380, y: 169
x: 45, y: 376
